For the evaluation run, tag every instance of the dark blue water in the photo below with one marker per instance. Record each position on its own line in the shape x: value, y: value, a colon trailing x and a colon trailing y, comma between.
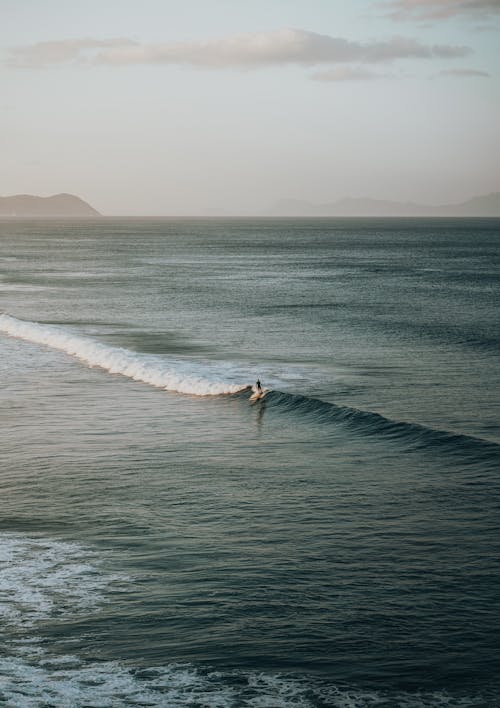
x: 165, y: 541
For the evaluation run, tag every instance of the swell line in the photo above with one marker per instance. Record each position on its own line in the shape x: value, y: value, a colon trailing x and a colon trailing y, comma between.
x: 196, y: 379
x: 414, y: 435
x: 175, y: 376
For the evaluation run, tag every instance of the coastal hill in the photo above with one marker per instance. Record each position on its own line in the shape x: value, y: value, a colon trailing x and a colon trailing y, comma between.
x: 486, y: 205
x: 71, y: 206
x: 60, y: 205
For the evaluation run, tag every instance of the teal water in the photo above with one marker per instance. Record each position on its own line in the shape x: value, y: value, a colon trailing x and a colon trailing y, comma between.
x: 164, y: 541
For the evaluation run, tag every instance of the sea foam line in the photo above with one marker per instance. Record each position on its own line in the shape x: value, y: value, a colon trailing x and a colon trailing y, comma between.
x: 42, y: 578
x: 169, y: 375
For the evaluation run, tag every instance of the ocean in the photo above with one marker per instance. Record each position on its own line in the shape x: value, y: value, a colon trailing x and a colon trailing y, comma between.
x: 165, y: 541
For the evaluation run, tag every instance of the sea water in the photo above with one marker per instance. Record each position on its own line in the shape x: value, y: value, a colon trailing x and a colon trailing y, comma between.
x: 166, y: 542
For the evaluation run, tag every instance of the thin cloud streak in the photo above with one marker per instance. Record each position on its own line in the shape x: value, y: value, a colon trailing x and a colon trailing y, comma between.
x: 441, y: 9
x: 243, y: 51
x: 43, y: 54
x: 347, y: 73
x: 468, y: 73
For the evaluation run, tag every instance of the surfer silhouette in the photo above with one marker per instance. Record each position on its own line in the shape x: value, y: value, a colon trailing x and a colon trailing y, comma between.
x: 257, y: 391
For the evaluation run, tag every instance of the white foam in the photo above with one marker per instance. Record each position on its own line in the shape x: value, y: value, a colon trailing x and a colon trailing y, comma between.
x: 172, y: 375
x: 41, y: 579
x: 100, y: 685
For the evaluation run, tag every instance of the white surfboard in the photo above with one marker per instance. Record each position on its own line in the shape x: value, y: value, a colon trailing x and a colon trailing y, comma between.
x: 258, y: 394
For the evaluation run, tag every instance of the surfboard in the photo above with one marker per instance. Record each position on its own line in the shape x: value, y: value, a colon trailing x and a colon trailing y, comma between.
x: 258, y: 395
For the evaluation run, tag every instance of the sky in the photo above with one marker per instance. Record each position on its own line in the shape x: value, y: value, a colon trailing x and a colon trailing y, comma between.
x: 192, y: 107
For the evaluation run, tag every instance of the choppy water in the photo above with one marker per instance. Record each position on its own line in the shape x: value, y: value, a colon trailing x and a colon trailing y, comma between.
x: 165, y: 542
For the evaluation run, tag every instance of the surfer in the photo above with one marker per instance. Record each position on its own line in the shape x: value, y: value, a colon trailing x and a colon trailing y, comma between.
x: 257, y: 391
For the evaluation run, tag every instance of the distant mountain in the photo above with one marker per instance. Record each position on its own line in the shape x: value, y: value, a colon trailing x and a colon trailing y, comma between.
x: 60, y: 205
x: 485, y: 205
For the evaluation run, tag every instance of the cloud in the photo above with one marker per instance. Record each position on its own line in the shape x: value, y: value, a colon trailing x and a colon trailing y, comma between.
x: 468, y: 73
x: 347, y: 73
x: 243, y: 51
x: 65, y: 51
x: 441, y: 9
x: 487, y: 28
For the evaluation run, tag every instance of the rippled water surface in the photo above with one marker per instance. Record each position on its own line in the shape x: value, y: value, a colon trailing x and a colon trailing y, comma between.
x: 165, y: 541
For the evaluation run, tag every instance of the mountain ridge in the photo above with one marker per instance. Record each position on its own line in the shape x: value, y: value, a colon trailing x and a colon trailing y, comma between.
x: 70, y: 206
x: 58, y: 205
x: 481, y: 205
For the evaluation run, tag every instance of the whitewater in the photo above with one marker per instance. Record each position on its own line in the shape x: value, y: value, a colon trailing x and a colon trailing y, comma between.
x: 171, y: 376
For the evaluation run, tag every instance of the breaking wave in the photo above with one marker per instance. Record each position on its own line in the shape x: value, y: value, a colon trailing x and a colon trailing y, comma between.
x: 171, y: 375
x: 190, y: 377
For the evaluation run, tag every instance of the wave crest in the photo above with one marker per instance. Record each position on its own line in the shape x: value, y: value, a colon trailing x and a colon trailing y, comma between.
x: 413, y: 436
x: 175, y: 376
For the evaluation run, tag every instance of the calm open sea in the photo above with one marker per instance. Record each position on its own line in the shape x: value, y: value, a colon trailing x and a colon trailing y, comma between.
x: 164, y: 541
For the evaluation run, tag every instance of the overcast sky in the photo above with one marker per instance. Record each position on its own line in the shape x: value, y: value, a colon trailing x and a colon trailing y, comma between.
x: 187, y: 106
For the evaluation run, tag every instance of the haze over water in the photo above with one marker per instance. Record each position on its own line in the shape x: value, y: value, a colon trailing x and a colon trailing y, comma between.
x: 166, y: 542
